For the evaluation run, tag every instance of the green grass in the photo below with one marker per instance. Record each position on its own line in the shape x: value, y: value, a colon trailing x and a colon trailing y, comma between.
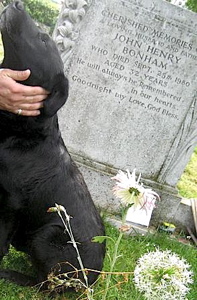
x: 131, y: 248
x: 187, y: 185
x: 1, y: 49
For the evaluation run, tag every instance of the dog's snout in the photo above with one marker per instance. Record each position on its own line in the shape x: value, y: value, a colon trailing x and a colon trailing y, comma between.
x: 18, y: 5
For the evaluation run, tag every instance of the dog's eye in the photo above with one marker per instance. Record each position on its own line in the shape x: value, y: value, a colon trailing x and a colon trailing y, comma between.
x: 44, y: 37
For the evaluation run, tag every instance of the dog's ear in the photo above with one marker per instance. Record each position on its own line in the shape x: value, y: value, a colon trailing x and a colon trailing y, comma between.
x: 58, y: 96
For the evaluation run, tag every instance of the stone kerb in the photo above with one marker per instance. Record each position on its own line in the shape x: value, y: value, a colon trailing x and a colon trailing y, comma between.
x: 132, y: 71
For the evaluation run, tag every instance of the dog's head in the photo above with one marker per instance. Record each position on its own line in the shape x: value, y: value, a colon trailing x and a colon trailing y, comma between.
x: 26, y: 47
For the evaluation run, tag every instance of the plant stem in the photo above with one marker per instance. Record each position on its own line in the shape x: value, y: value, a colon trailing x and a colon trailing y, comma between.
x: 115, y: 256
x: 112, y: 266
x: 69, y: 231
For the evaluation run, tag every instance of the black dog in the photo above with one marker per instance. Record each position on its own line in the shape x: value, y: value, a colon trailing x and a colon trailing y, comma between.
x: 36, y: 171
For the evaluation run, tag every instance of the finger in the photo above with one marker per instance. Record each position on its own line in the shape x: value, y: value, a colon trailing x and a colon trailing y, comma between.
x: 33, y: 111
x: 27, y: 113
x: 28, y: 91
x: 33, y: 90
x: 31, y: 106
x: 17, y: 99
x: 16, y: 75
x: 33, y: 99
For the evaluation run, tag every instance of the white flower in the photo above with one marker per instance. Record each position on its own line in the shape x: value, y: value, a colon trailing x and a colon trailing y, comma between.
x: 129, y: 190
x: 163, y: 275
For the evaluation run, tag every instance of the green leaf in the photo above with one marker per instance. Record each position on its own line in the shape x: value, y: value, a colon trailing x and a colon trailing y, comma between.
x: 101, y: 238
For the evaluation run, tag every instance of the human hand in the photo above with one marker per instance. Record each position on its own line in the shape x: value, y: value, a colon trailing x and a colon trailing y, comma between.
x: 18, y: 98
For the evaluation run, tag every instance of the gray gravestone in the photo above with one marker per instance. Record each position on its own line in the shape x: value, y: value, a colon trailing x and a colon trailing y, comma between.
x: 133, y: 103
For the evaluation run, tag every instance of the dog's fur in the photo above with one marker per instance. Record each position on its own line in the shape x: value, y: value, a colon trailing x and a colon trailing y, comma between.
x: 36, y: 170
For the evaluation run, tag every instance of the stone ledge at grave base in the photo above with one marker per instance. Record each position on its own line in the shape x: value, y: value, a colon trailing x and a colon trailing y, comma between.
x: 134, y: 229
x: 168, y: 209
